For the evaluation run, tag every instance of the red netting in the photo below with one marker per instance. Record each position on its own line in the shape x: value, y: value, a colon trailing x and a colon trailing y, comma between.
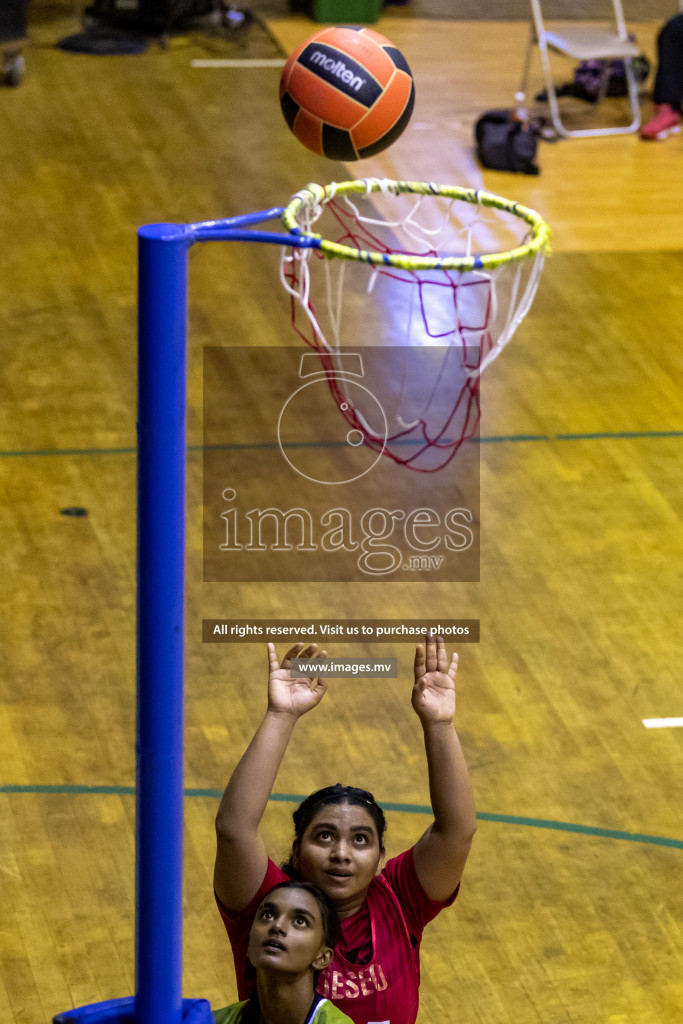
x: 450, y: 311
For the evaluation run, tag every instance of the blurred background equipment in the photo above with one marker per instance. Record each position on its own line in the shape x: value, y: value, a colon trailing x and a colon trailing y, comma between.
x: 148, y: 15
x: 12, y: 36
x: 586, y: 41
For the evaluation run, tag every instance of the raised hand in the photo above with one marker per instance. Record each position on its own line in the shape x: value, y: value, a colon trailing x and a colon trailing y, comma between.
x: 294, y: 695
x: 433, y: 696
x: 442, y: 851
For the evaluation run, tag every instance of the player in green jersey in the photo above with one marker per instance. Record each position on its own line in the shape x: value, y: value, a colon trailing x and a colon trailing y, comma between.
x: 292, y: 938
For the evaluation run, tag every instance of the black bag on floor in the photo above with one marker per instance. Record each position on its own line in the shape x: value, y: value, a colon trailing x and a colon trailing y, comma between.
x: 505, y: 144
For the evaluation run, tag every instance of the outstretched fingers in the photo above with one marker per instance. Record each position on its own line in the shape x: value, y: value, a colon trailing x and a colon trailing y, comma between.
x: 296, y: 651
x: 442, y: 660
x: 299, y: 651
x: 273, y: 663
x: 420, y: 663
x: 320, y: 683
x: 433, y: 657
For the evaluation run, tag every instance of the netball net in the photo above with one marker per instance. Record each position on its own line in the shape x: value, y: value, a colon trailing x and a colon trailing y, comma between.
x: 413, y: 267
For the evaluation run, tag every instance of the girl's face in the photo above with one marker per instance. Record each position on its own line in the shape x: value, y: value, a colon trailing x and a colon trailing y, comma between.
x: 340, y: 853
x: 287, y: 933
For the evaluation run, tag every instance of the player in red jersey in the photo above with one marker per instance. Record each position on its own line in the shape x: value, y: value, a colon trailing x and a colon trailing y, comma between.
x: 338, y: 846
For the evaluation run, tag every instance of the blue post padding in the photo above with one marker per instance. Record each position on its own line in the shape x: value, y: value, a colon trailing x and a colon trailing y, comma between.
x: 162, y: 379
x: 122, y: 1011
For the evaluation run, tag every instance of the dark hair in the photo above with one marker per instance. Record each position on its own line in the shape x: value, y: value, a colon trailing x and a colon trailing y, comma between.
x: 332, y: 933
x: 337, y: 794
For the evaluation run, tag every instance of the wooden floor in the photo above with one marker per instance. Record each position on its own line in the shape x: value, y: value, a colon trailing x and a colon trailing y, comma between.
x: 571, y: 907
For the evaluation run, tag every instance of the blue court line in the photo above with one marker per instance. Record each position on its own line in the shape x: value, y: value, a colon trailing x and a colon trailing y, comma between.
x: 296, y: 798
x: 603, y: 435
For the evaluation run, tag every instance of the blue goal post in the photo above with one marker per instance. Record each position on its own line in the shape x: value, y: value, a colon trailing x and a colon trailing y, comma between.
x: 163, y: 251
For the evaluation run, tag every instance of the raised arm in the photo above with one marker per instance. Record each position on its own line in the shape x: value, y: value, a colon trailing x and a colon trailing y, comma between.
x: 241, y: 856
x: 442, y: 851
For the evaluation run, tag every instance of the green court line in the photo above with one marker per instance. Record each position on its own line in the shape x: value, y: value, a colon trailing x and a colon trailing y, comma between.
x: 47, y: 452
x: 511, y: 438
x: 296, y: 798
x: 628, y: 435
x: 71, y: 790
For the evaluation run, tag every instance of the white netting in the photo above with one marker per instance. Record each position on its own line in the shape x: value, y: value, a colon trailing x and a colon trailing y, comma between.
x: 441, y: 327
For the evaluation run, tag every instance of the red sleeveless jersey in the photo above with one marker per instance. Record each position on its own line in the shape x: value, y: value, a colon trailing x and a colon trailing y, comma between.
x: 374, y: 976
